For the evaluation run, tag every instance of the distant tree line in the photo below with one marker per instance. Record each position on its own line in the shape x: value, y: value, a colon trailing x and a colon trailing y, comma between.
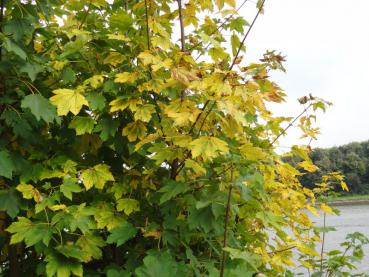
x: 350, y: 159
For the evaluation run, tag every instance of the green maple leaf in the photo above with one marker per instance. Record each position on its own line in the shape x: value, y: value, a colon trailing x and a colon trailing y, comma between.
x: 91, y: 245
x: 82, y: 125
x: 68, y: 100
x: 32, y: 69
x: 96, y: 101
x: 40, y: 107
x: 70, y: 186
x: 96, y: 176
x: 73, y: 251
x: 62, y: 266
x: 6, y: 165
x: 128, y: 205
x: 121, y: 234
x: 171, y: 190
x: 159, y: 265
x: 208, y: 147
x: 108, y: 127
x: 30, y: 232
x: 9, y: 202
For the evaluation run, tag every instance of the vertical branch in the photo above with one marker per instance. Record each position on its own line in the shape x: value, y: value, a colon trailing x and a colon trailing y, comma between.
x: 1, y: 21
x: 183, y: 47
x: 147, y: 26
x: 226, y: 221
x: 323, y: 241
x: 2, y: 80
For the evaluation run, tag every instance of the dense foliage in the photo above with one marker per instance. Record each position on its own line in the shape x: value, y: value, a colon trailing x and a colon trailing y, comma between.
x: 352, y: 160
x: 132, y: 142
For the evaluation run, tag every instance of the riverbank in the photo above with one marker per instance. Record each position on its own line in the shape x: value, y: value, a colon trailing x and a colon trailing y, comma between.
x: 349, y: 200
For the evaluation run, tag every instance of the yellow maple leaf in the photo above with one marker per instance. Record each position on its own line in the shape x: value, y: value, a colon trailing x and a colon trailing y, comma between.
x: 308, y: 166
x: 68, y: 100
x: 114, y: 58
x: 144, y: 112
x: 126, y: 77
x: 251, y: 152
x: 325, y: 208
x: 95, y: 81
x: 208, y: 147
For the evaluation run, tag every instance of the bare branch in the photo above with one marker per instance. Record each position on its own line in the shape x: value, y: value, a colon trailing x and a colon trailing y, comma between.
x: 291, y: 123
x: 183, y: 46
x: 246, y: 35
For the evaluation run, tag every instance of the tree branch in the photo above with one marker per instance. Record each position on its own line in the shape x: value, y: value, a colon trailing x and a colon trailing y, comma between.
x: 246, y: 35
x: 181, y: 165
x: 183, y: 46
x: 220, y: 27
x: 85, y: 16
x: 291, y: 123
x: 147, y: 26
x: 226, y: 221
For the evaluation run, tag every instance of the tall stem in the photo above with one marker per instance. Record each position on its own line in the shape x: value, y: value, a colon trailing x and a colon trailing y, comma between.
x: 147, y: 26
x: 183, y: 47
x: 323, y: 241
x: 226, y: 222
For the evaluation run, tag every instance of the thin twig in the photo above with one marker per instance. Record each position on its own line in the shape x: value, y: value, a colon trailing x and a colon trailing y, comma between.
x: 323, y: 241
x: 226, y: 221
x: 219, y: 28
x: 291, y: 123
x: 147, y: 26
x: 1, y: 21
x: 246, y: 35
x: 281, y: 250
x: 85, y: 16
x: 183, y: 47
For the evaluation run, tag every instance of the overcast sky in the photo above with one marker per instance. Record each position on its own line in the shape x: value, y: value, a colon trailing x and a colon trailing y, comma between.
x: 327, y: 47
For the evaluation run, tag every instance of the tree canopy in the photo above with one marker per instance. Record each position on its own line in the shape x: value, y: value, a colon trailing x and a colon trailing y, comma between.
x: 136, y: 140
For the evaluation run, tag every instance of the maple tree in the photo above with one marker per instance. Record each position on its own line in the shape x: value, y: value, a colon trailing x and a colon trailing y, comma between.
x: 132, y: 146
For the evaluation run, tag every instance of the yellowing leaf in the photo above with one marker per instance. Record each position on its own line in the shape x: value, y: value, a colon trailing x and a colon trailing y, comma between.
x: 344, y: 186
x: 114, y: 58
x: 208, y: 147
x: 305, y: 249
x: 308, y: 166
x: 144, y: 112
x: 68, y: 100
x: 58, y: 207
x: 183, y: 75
x: 29, y: 192
x: 58, y: 65
x: 128, y: 205
x: 95, y: 81
x: 312, y: 210
x: 126, y: 77
x: 134, y: 130
x: 325, y: 208
x: 251, y: 152
x: 149, y: 138
x: 122, y: 103
x: 196, y: 167
x: 118, y: 37
x: 82, y: 125
x: 96, y: 176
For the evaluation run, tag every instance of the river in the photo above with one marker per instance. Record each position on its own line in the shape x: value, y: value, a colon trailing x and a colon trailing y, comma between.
x: 353, y: 218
